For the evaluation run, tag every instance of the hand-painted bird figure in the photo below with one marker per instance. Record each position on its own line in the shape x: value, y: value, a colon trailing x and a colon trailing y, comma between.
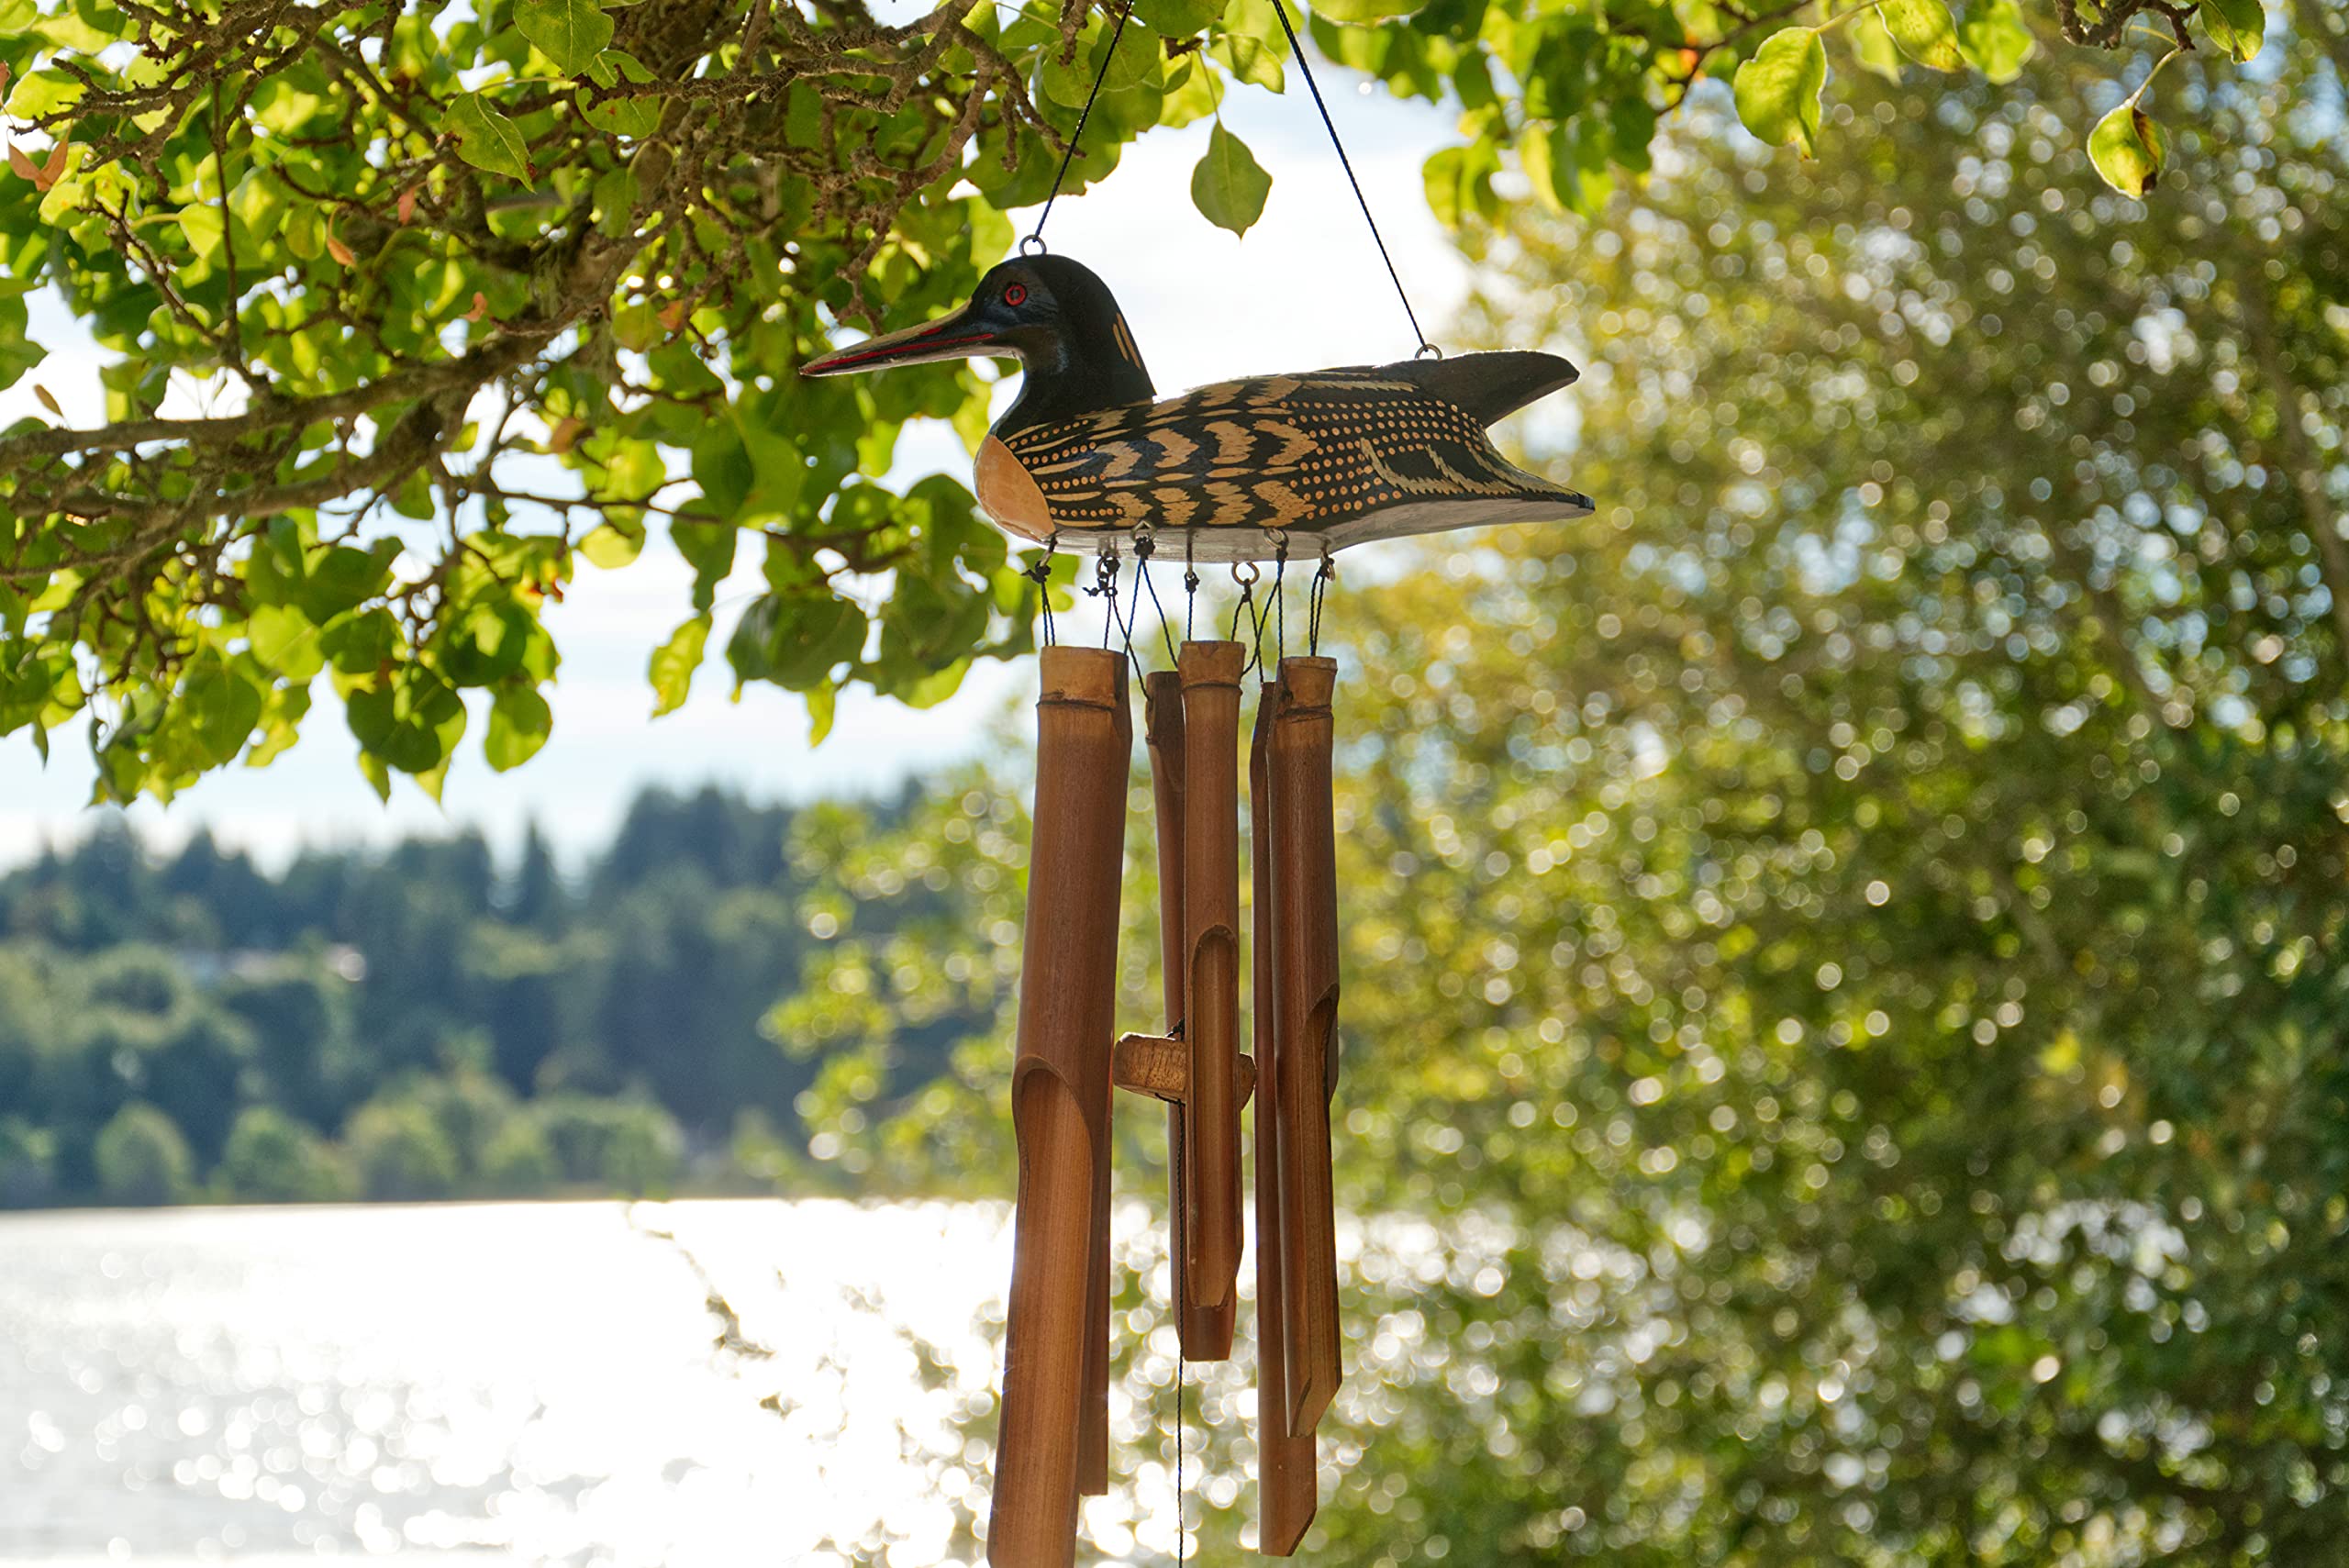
x: 1230, y: 472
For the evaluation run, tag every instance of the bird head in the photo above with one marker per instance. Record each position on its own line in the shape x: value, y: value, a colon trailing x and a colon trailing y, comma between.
x: 1054, y: 315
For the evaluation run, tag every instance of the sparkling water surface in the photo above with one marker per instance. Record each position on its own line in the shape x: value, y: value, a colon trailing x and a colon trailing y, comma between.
x: 453, y: 1384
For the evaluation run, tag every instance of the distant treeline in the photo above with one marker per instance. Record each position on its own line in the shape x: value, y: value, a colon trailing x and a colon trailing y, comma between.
x: 412, y: 1023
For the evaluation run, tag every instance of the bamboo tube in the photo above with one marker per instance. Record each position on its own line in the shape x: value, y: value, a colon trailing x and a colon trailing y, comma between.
x: 1205, y: 1332
x: 1286, y: 1479
x: 1305, y: 970
x: 1210, y: 677
x: 1058, y: 1311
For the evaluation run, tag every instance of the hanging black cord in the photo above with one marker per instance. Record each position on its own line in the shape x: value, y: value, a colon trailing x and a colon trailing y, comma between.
x: 1280, y: 8
x: 1105, y: 586
x: 1144, y: 548
x: 1041, y: 576
x: 1036, y: 235
x: 1280, y: 607
x: 1321, y: 581
x: 1247, y: 608
x: 1181, y: 1542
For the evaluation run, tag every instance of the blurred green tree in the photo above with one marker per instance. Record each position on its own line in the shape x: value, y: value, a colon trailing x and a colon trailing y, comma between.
x: 401, y: 1152
x: 142, y: 1157
x: 272, y: 1158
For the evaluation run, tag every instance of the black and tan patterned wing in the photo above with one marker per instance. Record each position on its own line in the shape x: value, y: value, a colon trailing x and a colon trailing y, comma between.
x: 1229, y: 472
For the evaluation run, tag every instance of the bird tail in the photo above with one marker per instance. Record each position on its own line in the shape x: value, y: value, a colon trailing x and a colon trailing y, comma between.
x: 1490, y: 387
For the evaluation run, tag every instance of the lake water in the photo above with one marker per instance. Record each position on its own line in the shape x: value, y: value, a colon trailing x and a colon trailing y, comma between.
x: 527, y: 1382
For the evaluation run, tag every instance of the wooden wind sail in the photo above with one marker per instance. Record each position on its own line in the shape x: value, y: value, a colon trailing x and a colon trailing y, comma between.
x: 1205, y: 1332
x: 1304, y: 1012
x: 1286, y: 1483
x: 1058, y: 1313
x: 1210, y: 686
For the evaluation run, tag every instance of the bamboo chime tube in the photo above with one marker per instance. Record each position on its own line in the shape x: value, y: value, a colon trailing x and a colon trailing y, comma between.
x: 1286, y: 1483
x: 1205, y: 1332
x: 1058, y: 1312
x: 1210, y: 677
x: 1305, y: 985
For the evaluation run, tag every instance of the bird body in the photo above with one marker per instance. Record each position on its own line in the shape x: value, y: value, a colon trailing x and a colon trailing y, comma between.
x: 1247, y: 470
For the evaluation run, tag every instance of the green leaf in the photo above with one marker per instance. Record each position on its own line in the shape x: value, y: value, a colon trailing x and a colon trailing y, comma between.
x: 822, y: 632
x: 520, y: 723
x: 413, y: 723
x: 1229, y: 186
x: 1873, y: 47
x: 674, y: 663
x: 487, y: 139
x: 1366, y: 10
x: 1925, y: 31
x: 222, y: 707
x: 1252, y: 45
x: 203, y: 227
x: 612, y: 545
x: 2239, y: 27
x: 1995, y: 37
x: 2127, y: 148
x: 1777, y: 90
x: 1177, y: 18
x: 636, y: 117
x: 40, y: 94
x: 572, y: 33
x: 823, y: 704
x: 18, y: 354
x: 341, y: 577
x: 284, y: 641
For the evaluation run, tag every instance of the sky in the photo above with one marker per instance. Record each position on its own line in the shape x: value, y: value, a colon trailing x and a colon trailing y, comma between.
x: 1304, y: 288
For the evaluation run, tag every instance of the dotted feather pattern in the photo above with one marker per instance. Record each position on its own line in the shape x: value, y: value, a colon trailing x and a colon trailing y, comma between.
x: 1295, y: 455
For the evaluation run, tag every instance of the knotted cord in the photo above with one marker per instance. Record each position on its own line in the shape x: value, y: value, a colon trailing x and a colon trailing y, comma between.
x: 1321, y: 581
x: 1041, y: 576
x: 1145, y: 547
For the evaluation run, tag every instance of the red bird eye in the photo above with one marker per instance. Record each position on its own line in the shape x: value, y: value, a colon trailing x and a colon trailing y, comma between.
x: 1015, y: 294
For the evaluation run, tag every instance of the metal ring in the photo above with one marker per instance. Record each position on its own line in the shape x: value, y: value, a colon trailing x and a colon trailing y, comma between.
x: 1254, y: 572
x: 1037, y: 240
x: 1428, y: 351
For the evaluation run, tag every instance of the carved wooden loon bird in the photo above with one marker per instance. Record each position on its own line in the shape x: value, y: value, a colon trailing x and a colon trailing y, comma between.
x: 1322, y: 459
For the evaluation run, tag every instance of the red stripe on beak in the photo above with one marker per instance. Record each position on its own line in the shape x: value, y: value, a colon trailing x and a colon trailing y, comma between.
x: 937, y: 340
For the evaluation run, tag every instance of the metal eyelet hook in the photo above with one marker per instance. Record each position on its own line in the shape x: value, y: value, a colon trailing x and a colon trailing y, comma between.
x: 1038, y: 241
x: 1428, y: 351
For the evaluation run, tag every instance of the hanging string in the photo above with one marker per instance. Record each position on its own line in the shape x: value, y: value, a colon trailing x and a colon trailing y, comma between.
x: 1105, y: 587
x: 1288, y: 28
x: 1280, y: 605
x: 1036, y: 235
x: 1181, y: 1538
x: 1041, y: 576
x: 1321, y: 581
x: 1189, y: 585
x: 1280, y: 9
x: 1145, y: 546
x: 1247, y: 607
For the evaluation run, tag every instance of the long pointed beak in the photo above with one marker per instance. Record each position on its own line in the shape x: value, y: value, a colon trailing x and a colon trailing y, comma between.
x: 953, y: 336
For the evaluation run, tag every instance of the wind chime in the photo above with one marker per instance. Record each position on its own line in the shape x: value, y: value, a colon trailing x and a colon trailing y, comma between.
x: 1240, y: 473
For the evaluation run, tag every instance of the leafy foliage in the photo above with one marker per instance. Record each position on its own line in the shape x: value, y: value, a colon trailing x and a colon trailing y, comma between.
x: 408, y: 310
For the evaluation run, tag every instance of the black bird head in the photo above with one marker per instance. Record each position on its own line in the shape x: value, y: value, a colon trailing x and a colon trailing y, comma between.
x: 1052, y: 315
